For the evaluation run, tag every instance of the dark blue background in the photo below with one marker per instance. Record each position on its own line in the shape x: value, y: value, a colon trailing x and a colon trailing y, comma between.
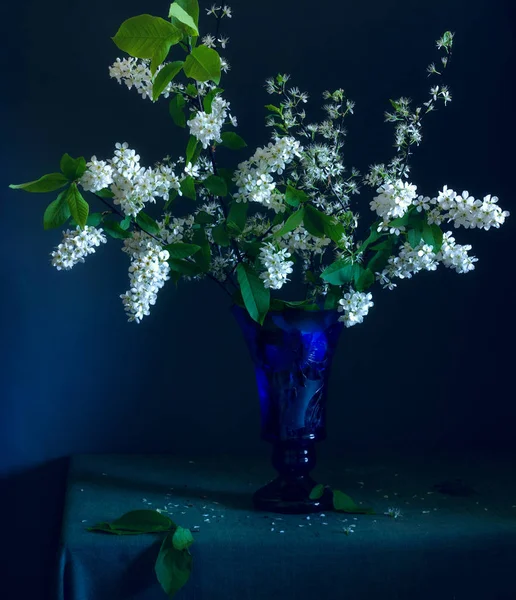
x: 430, y: 368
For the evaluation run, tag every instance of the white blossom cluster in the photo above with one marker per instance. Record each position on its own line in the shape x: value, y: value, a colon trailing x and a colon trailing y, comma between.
x: 207, y: 127
x: 148, y: 272
x: 135, y: 72
x: 277, y: 266
x: 455, y: 256
x: 467, y: 212
x: 173, y: 230
x: 76, y: 244
x: 253, y: 177
x: 98, y: 175
x: 355, y: 306
x: 300, y: 240
x: 422, y: 258
x: 221, y: 265
x: 132, y: 185
x: 393, y: 200
x: 408, y: 262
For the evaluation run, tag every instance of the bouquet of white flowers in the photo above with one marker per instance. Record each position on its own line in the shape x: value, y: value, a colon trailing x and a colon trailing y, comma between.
x: 283, y: 213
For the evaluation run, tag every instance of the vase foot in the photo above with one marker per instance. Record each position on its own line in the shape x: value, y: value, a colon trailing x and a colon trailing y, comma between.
x: 291, y: 496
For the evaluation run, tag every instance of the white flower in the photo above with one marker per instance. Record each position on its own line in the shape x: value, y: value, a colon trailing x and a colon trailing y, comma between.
x: 131, y: 184
x: 408, y: 262
x: 455, y: 256
x: 467, y: 212
x: 253, y: 177
x: 76, y: 245
x: 207, y: 127
x: 394, y: 199
x: 192, y: 170
x: 277, y: 265
x: 445, y: 95
x: 223, y: 41
x: 136, y: 73
x: 226, y: 12
x: 208, y: 41
x: 394, y: 512
x: 148, y: 272
x: 98, y: 175
x: 213, y: 10
x: 355, y: 306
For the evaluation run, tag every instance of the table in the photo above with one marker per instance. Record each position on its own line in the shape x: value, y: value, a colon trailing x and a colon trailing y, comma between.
x: 442, y: 547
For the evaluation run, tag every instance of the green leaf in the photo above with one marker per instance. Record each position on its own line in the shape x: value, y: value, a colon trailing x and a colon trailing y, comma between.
x: 188, y: 187
x: 294, y: 197
x: 373, y: 236
x: 146, y: 36
x: 73, y: 168
x: 343, y: 503
x: 379, y: 260
x: 295, y: 219
x: 47, y: 183
x: 125, y: 223
x: 94, y: 219
x: 437, y: 233
x: 237, y: 215
x: 192, y: 8
x: 172, y: 195
x: 203, y: 64
x: 204, y: 218
x: 331, y: 300
x: 220, y: 235
x: 185, y: 267
x: 320, y: 224
x: 232, y: 140
x: 182, y: 538
x: 164, y: 77
x: 256, y: 296
x: 181, y: 250
x: 203, y: 257
x: 227, y: 175
x: 147, y: 223
x: 115, y: 230
x: 143, y: 521
x: 317, y: 492
x: 273, y: 108
x: 208, y: 99
x: 364, y: 280
x: 427, y: 234
x: 176, y: 110
x: 57, y: 212
x: 78, y: 206
x: 105, y: 193
x: 191, y: 90
x: 136, y: 522
x: 414, y: 237
x: 341, y: 271
x: 191, y: 147
x: 301, y: 304
x: 251, y: 249
x: 173, y: 567
x: 216, y: 185
x: 400, y: 221
x: 181, y: 19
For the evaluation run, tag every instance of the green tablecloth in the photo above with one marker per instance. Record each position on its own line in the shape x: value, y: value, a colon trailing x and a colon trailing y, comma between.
x: 442, y: 547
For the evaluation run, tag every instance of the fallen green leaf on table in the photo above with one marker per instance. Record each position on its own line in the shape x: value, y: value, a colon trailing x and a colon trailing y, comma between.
x: 136, y: 522
x: 174, y: 562
x: 341, y: 501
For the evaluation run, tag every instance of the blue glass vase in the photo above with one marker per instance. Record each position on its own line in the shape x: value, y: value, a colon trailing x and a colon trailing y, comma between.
x: 292, y: 354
